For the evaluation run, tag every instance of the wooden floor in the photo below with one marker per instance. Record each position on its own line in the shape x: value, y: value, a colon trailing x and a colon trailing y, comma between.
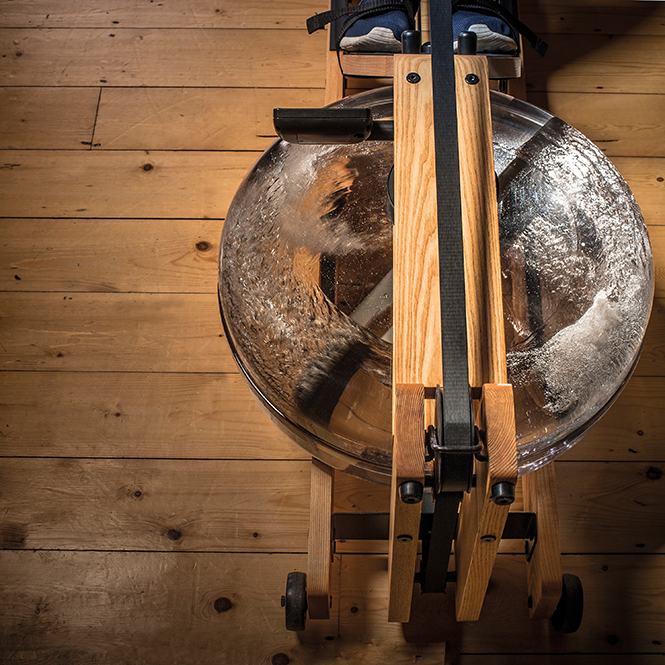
x: 150, y: 512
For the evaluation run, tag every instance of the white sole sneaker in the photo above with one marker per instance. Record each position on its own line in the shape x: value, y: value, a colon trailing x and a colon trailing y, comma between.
x: 377, y: 39
x: 489, y: 41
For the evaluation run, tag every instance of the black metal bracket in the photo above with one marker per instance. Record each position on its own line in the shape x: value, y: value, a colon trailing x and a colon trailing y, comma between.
x: 434, y: 574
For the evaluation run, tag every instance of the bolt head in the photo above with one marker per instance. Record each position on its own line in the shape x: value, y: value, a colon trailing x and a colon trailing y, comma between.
x: 413, y: 77
x: 472, y: 79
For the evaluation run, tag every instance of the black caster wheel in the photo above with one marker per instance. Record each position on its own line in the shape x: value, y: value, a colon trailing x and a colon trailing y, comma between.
x: 295, y: 601
x: 568, y: 615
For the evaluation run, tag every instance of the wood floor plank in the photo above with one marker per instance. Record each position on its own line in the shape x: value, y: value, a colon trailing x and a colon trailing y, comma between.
x: 594, y: 62
x: 129, y: 184
x: 194, y: 118
x: 109, y: 255
x: 646, y: 179
x: 166, y: 58
x: 632, y: 428
x: 117, y: 414
x: 116, y: 332
x: 610, y: 17
x: 614, y: 508
x: 289, y: 14
x: 619, y: 124
x: 156, y: 607
x: 51, y: 118
x: 624, y: 602
x: 652, y: 360
x: 183, y: 505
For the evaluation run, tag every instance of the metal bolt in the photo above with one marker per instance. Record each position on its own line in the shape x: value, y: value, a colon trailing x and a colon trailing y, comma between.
x: 413, y: 77
x: 471, y: 79
x: 489, y: 538
x: 405, y: 538
x: 283, y: 601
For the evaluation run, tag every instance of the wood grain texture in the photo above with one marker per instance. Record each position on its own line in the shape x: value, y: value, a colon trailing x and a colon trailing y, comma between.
x: 611, y: 17
x: 120, y: 184
x: 612, y: 63
x: 173, y: 606
x: 119, y: 332
x: 644, y: 179
x: 131, y: 414
x: 226, y: 604
x: 193, y: 118
x: 480, y: 226
x: 657, y: 237
x: 481, y: 521
x: 110, y: 255
x: 544, y: 573
x: 44, y: 118
x: 624, y: 597
x: 319, y: 541
x: 163, y: 58
x: 408, y: 465
x: 631, y: 429
x: 416, y: 304
x: 191, y: 505
x: 619, y: 124
x: 623, y: 506
x: 652, y: 360
x: 289, y: 14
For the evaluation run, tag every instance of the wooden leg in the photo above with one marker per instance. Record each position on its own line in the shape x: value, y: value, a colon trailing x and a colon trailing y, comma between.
x: 319, y: 543
x: 544, y: 572
x: 481, y: 520
x: 408, y: 465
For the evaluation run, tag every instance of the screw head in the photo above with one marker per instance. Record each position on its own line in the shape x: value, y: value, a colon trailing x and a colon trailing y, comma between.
x: 489, y: 538
x: 472, y: 79
x: 404, y: 538
x: 413, y: 77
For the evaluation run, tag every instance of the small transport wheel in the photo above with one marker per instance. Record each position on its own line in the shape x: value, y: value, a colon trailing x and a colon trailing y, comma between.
x: 295, y: 601
x: 568, y: 615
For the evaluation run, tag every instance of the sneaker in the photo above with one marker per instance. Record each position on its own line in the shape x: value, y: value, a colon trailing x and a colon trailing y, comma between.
x: 493, y: 34
x: 379, y: 32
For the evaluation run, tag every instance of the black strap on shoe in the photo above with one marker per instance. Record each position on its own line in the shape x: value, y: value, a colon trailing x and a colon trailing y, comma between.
x: 491, y: 8
x: 367, y: 9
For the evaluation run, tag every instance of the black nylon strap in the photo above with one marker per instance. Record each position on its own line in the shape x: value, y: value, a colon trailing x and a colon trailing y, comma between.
x: 492, y: 8
x: 456, y: 396
x: 370, y: 8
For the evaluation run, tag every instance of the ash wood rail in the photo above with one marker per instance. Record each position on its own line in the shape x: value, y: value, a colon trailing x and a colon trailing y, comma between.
x: 481, y: 521
x: 417, y: 344
x: 416, y: 307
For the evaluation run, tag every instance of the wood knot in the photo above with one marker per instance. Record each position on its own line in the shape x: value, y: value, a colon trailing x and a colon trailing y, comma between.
x: 222, y: 604
x: 654, y: 473
x: 280, y: 659
x: 173, y: 534
x: 203, y: 246
x: 148, y: 167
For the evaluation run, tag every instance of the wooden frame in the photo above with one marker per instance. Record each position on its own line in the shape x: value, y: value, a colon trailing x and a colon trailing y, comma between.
x: 417, y: 356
